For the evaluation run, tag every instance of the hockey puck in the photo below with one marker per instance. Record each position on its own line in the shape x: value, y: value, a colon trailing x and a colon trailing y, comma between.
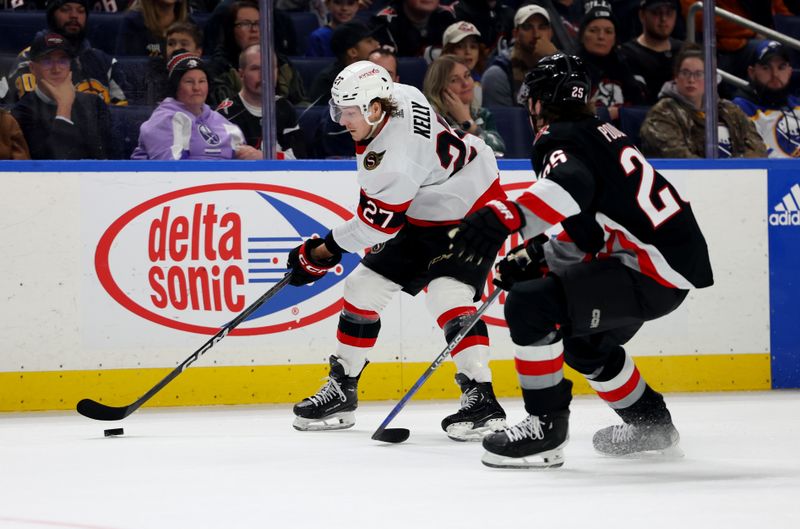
x: 113, y: 431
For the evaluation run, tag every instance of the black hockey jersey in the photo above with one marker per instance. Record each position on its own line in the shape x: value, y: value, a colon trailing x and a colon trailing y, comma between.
x: 589, y: 169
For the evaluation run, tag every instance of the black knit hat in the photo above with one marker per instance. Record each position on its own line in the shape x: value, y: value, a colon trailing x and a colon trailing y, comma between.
x: 597, y: 9
x: 181, y: 62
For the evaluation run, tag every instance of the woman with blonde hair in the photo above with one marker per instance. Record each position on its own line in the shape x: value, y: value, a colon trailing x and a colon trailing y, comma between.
x: 449, y: 87
x: 144, y: 27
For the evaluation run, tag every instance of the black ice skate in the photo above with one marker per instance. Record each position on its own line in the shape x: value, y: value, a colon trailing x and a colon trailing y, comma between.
x: 630, y: 440
x: 480, y: 412
x: 332, y: 407
x: 536, y: 442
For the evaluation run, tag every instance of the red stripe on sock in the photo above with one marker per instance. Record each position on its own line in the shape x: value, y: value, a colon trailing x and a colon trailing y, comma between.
x: 361, y: 312
x: 355, y: 342
x: 454, y: 313
x: 539, y: 367
x: 622, y: 391
x: 470, y: 341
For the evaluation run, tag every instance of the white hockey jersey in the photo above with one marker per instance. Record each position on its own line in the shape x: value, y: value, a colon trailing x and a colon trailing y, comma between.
x: 417, y: 170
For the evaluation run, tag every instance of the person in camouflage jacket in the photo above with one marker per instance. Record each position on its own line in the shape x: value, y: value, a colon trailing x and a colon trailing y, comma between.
x: 675, y: 126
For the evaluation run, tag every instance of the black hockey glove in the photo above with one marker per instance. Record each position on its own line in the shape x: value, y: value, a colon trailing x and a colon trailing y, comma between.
x: 481, y: 234
x: 306, y: 269
x: 522, y: 263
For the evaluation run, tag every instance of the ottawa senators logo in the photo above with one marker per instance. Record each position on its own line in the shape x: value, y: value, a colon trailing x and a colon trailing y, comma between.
x: 373, y: 159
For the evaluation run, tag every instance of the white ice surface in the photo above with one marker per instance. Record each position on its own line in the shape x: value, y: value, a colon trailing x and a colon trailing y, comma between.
x: 245, y: 467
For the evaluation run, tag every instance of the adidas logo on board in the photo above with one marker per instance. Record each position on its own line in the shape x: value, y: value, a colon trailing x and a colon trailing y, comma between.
x: 787, y: 212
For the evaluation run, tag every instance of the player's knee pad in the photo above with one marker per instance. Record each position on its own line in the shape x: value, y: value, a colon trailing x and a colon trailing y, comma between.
x: 593, y: 358
x: 444, y: 295
x: 367, y: 290
x: 528, y: 323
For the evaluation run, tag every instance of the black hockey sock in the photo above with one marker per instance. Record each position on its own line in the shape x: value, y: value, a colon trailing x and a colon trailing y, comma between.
x: 543, y: 401
x: 649, y: 409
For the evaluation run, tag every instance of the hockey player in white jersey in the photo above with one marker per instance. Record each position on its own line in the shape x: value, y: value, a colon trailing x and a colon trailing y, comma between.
x: 418, y: 179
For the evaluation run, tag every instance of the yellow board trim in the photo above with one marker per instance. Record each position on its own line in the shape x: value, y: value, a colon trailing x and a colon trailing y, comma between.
x: 201, y: 386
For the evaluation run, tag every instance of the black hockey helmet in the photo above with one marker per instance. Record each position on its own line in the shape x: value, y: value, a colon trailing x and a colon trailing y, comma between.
x: 558, y: 80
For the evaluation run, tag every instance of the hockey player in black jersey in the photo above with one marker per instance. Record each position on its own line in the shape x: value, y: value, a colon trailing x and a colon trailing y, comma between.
x: 628, y: 250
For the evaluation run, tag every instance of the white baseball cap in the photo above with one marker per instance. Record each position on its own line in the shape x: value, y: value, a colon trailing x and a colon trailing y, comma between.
x: 526, y: 12
x: 459, y: 31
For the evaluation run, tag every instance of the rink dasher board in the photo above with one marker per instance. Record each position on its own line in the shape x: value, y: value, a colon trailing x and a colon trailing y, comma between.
x: 80, y: 317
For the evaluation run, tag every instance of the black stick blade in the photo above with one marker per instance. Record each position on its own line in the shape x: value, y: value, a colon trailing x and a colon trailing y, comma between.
x: 391, y: 435
x: 101, y: 412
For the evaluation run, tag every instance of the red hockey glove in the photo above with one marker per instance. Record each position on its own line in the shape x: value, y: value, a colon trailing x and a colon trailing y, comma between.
x: 523, y: 263
x: 480, y: 234
x: 304, y: 268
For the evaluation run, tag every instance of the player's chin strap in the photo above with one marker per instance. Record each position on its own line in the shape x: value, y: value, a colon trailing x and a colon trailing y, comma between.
x: 374, y: 124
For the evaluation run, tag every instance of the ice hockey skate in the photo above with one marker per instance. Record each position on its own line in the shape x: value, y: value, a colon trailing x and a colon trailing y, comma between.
x: 536, y: 442
x: 480, y: 412
x: 630, y: 440
x: 332, y: 407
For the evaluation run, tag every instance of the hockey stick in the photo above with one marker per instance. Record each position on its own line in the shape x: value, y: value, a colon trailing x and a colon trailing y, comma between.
x: 398, y: 435
x: 101, y: 412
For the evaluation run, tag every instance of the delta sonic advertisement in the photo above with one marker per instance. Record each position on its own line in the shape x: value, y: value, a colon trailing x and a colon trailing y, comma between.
x: 783, y: 216
x: 174, y: 256
x: 179, y: 253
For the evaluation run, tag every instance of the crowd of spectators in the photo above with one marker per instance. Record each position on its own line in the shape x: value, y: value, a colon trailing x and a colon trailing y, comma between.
x: 202, y: 80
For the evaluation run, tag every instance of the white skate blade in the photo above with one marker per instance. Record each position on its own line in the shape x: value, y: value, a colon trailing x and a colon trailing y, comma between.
x: 550, y: 459
x: 337, y: 421
x: 464, y: 432
x: 672, y: 452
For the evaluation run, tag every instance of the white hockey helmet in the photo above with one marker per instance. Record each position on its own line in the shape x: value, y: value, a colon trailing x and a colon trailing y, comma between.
x: 358, y: 85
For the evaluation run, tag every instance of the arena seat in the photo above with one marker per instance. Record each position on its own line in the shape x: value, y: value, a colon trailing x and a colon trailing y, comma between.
x: 513, y: 126
x: 630, y: 119
x: 102, y: 30
x: 125, y: 123
x: 18, y: 29
x: 304, y: 23
x: 309, y: 67
x: 133, y: 68
x: 308, y: 119
x: 412, y: 70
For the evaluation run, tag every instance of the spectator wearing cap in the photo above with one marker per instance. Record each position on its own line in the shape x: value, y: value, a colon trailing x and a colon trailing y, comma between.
x: 12, y: 142
x: 339, y: 12
x: 494, y: 20
x: 352, y: 41
x: 675, y: 127
x: 451, y: 91
x: 183, y: 126
x: 144, y: 26
x: 768, y: 103
x: 245, y: 110
x: 93, y: 71
x: 413, y: 27
x: 60, y: 123
x: 462, y: 39
x: 503, y: 79
x: 651, y: 54
x: 613, y: 84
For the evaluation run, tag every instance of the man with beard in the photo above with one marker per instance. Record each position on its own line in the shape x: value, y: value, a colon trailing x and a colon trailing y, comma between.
x: 650, y: 55
x: 768, y: 103
x: 93, y: 71
x: 503, y: 79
